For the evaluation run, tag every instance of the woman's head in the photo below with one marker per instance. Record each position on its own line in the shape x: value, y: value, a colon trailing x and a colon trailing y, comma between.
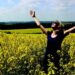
x: 56, y: 25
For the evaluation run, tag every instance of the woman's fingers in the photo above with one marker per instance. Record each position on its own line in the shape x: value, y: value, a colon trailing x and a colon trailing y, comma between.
x: 32, y: 13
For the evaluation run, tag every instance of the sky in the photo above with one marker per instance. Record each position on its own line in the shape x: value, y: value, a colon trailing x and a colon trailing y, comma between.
x: 46, y: 10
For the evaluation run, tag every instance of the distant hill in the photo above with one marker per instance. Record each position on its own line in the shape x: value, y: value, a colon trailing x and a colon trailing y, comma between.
x: 25, y: 25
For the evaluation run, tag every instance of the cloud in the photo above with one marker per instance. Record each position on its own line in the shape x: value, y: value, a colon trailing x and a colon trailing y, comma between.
x: 19, y: 9
x: 53, y: 4
x: 59, y: 4
x: 10, y: 1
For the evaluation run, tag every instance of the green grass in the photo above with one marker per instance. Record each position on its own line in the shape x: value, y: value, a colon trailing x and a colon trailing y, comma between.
x: 25, y: 31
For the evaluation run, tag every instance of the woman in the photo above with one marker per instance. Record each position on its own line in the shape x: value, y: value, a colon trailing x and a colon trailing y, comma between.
x: 54, y: 40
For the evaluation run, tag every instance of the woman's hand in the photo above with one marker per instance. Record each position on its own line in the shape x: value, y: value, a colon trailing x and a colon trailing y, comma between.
x: 32, y: 13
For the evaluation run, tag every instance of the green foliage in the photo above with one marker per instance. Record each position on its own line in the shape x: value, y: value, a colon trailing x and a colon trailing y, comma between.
x: 68, y: 54
x: 22, y: 54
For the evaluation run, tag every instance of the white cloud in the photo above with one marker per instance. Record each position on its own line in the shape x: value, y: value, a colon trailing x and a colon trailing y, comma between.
x: 69, y: 2
x: 32, y: 4
x: 59, y: 4
x: 21, y: 8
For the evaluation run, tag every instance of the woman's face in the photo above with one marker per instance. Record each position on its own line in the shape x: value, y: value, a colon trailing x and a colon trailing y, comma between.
x: 55, y: 27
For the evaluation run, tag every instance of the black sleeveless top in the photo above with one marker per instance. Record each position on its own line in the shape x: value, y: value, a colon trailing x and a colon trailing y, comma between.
x: 54, y: 44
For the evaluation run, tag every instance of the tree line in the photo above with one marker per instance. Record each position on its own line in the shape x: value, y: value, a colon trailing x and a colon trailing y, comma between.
x: 25, y: 25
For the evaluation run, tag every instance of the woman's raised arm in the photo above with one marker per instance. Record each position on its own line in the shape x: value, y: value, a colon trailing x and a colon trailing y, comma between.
x: 32, y: 13
x: 69, y: 30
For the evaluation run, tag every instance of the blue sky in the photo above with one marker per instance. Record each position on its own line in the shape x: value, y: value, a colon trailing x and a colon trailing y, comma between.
x: 46, y: 10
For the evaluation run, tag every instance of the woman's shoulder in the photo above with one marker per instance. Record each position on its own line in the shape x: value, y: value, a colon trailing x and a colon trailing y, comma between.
x: 49, y: 32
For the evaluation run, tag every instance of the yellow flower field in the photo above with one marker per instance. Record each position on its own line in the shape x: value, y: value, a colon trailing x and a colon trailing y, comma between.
x: 22, y: 54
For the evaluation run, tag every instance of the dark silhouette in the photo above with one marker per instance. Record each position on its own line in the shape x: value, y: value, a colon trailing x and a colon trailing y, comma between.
x: 31, y: 24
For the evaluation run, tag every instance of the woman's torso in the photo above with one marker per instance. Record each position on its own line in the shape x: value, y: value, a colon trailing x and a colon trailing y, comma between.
x: 54, y: 44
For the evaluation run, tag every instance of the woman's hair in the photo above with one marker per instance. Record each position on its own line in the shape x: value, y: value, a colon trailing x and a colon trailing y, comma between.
x: 57, y: 23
